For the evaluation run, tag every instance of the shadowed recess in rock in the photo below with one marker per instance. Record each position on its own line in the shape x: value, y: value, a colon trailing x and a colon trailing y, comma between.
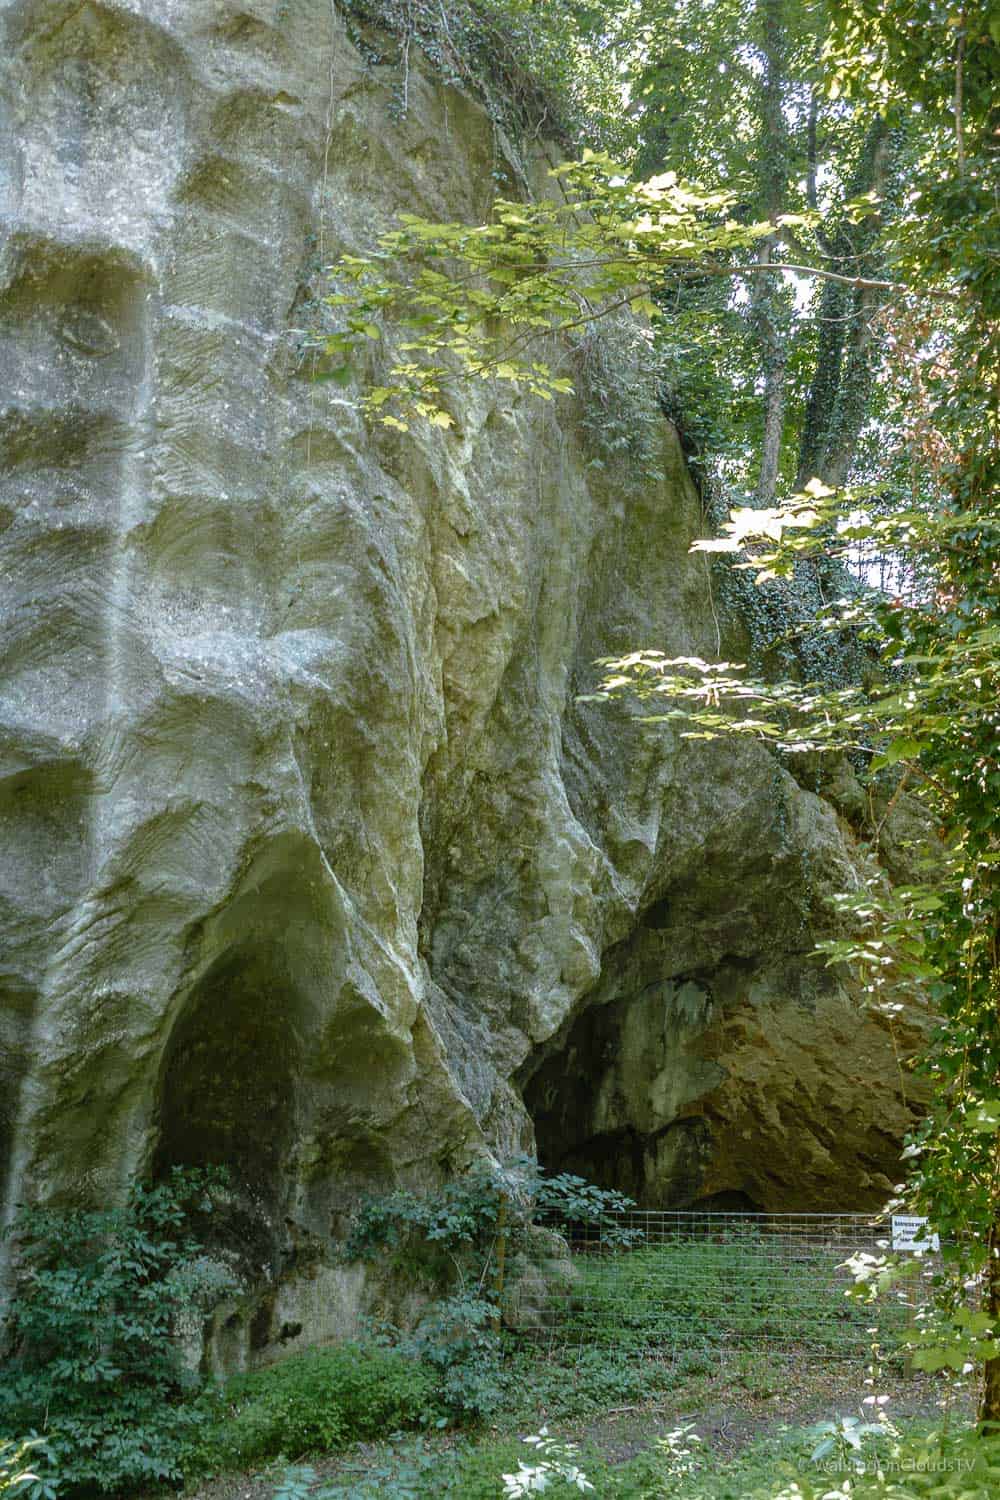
x: 228, y: 1092
x: 617, y: 1103
x: 16, y: 1009
x: 735, y: 1086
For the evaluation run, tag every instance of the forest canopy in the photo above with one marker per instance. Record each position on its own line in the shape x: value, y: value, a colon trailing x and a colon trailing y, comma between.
x: 815, y: 136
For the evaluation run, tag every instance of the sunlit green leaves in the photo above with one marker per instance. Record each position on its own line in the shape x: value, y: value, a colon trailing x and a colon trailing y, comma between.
x: 477, y: 301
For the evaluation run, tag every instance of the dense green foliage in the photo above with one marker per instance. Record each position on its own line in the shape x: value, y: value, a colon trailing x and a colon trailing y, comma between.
x: 453, y: 1245
x: 574, y: 1381
x: 97, y: 1367
x: 732, y: 95
x: 708, y: 1294
x: 771, y: 378
x: 468, y: 1212
x: 478, y: 300
x: 312, y: 1403
x: 20, y: 1463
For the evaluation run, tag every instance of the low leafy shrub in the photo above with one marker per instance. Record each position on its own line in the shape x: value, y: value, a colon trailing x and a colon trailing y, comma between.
x: 476, y: 1473
x: 671, y: 1466
x: 411, y: 1469
x: 452, y: 1244
x: 896, y: 1465
x: 314, y: 1402
x: 25, y: 1468
x: 96, y: 1368
x: 457, y: 1337
x: 404, y: 1469
x: 553, y: 1463
x: 582, y: 1382
x: 465, y: 1217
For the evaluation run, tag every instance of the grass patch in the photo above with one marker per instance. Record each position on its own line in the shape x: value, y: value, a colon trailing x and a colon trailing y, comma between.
x: 708, y: 1295
x: 317, y: 1402
x: 582, y: 1382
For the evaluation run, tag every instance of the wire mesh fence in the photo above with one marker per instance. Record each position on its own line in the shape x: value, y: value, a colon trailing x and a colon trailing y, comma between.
x: 656, y: 1282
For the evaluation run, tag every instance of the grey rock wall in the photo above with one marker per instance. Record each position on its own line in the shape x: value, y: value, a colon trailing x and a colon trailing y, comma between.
x: 311, y: 862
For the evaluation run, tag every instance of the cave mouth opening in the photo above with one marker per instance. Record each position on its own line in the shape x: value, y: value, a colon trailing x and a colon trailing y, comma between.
x: 617, y: 1101
x: 228, y: 1092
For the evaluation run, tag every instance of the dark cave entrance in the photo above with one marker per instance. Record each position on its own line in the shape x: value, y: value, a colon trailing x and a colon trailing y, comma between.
x: 228, y: 1090
x: 617, y: 1100
x: 594, y: 1115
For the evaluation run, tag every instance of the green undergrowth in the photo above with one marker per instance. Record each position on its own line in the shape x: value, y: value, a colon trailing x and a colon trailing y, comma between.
x: 325, y: 1400
x: 783, y: 1466
x: 94, y: 1379
x: 844, y: 1457
x: 315, y: 1402
x: 579, y: 1383
x: 98, y: 1375
x: 292, y: 1419
x: 705, y: 1295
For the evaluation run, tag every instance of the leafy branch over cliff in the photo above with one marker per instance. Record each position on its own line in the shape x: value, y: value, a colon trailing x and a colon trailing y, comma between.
x: 482, y: 301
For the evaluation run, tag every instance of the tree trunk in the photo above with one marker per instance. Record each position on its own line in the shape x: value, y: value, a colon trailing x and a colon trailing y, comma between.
x: 769, y: 312
x: 840, y: 390
x: 825, y: 382
x: 989, y: 1401
x: 773, y: 348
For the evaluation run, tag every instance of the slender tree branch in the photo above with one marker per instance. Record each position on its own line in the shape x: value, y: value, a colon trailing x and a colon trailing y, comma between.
x: 531, y: 336
x: 800, y: 270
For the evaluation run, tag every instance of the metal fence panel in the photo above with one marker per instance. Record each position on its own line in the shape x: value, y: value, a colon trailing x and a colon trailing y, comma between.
x: 661, y: 1281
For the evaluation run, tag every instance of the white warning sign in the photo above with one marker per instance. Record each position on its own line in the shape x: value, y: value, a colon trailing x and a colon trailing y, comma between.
x: 909, y: 1232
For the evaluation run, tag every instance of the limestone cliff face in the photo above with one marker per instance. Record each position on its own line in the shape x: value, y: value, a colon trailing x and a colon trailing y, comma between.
x: 311, y: 861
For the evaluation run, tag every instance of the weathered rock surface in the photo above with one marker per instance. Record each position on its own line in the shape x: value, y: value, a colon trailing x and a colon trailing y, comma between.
x: 311, y: 861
